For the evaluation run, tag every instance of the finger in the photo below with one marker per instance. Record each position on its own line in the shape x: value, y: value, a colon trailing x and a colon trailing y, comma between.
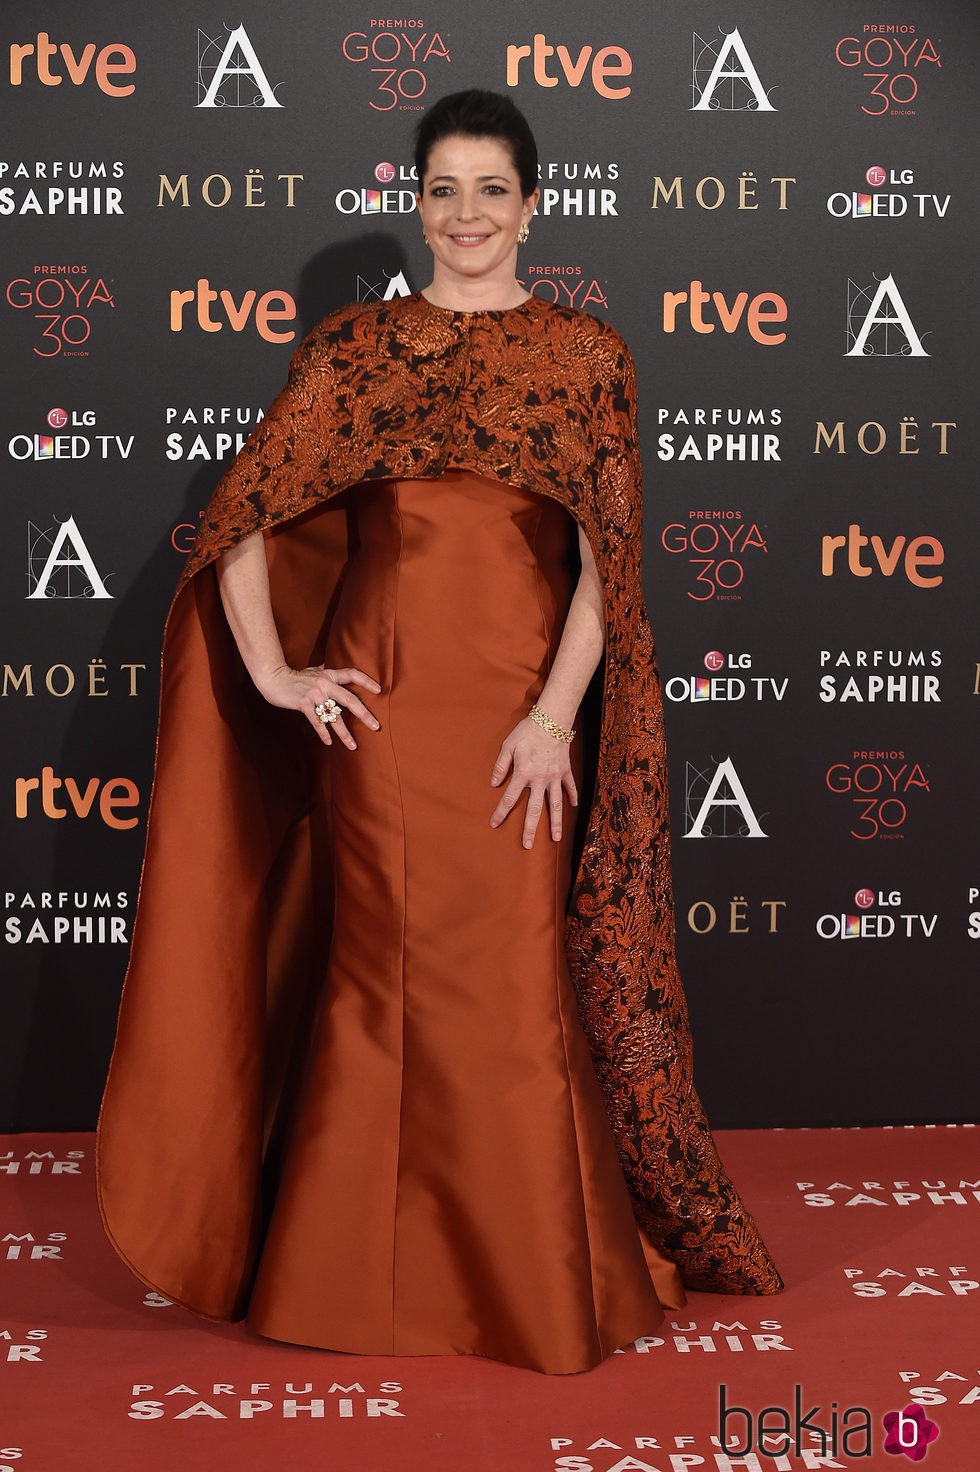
x: 321, y: 730
x: 358, y: 677
x: 555, y: 810
x: 352, y: 676
x: 534, y: 805
x: 342, y: 733
x: 500, y: 767
x: 336, y: 728
x: 355, y: 706
x: 507, y: 800
x: 568, y: 782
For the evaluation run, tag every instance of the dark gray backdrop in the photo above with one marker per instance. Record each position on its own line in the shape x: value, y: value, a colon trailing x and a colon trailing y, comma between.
x: 791, y: 1026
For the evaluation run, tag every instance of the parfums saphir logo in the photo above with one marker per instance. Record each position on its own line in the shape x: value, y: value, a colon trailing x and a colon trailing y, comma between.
x: 732, y: 434
x: 60, y: 187
x: 880, y: 676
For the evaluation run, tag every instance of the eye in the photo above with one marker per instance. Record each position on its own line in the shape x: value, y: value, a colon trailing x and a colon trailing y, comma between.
x: 441, y: 190
x: 496, y: 189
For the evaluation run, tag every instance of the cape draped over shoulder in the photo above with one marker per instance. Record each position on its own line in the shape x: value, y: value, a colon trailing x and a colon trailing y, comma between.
x: 233, y: 921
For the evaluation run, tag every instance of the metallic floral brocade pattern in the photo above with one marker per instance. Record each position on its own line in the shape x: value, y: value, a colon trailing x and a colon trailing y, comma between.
x: 544, y: 398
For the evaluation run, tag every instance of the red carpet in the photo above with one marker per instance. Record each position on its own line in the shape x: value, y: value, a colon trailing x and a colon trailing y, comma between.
x: 874, y: 1231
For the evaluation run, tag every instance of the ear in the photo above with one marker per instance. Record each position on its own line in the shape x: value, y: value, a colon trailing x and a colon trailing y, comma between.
x: 532, y: 199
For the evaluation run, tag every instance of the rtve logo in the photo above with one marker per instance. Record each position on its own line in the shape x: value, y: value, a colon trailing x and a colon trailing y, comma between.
x: 608, y: 61
x: 54, y: 63
x: 919, y: 552
x: 97, y: 796
x: 233, y: 314
x: 763, y: 309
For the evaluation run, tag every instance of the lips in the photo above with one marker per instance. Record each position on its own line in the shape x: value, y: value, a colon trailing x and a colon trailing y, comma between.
x: 468, y: 239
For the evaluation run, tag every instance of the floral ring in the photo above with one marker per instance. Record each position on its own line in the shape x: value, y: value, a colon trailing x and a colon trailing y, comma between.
x: 326, y: 712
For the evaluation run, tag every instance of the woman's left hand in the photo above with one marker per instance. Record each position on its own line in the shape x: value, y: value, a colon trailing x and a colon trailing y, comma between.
x: 540, y: 762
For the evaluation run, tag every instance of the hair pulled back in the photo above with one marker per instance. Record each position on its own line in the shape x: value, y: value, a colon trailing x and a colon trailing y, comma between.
x: 478, y: 114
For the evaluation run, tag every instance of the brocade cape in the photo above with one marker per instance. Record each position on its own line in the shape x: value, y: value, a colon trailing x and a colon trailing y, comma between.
x: 233, y: 920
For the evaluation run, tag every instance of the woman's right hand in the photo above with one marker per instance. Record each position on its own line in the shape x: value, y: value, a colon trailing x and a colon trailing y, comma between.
x: 305, y: 689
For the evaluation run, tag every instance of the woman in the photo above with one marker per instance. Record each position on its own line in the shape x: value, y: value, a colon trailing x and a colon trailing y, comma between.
x: 416, y: 1066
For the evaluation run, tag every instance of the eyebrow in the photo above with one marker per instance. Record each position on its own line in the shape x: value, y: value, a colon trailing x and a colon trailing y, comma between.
x: 483, y: 178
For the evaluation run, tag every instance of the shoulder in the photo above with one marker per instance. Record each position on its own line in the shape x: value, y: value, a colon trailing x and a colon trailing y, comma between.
x: 353, y: 322
x: 575, y: 319
x: 589, y: 334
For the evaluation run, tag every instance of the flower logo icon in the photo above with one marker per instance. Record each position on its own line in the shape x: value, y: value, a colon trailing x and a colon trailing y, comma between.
x: 909, y: 1431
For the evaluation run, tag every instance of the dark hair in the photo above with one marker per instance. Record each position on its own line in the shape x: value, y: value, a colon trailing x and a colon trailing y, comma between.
x: 477, y: 114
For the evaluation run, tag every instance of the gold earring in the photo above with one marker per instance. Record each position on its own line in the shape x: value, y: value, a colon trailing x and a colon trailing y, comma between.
x: 523, y: 233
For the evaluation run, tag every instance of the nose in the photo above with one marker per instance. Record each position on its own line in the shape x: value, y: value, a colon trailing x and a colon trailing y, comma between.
x: 468, y: 204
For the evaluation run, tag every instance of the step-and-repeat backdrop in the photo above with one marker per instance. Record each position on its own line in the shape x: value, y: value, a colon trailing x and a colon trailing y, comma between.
x: 774, y: 205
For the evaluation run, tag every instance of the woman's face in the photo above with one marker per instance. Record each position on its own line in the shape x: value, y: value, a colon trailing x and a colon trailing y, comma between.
x: 472, y: 209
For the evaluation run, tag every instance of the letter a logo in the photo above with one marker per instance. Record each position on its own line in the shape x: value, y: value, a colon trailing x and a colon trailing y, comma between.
x: 872, y: 338
x: 395, y: 286
x: 735, y: 800
x: 68, y: 570
x: 744, y: 92
x: 236, y: 64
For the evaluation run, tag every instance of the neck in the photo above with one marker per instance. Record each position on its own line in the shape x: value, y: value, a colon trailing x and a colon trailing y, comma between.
x: 475, y: 296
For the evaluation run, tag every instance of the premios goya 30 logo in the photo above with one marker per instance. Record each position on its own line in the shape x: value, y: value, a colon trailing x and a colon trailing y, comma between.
x: 65, y: 301
x: 878, y: 785
x: 890, y: 58
x: 400, y: 57
x: 722, y: 545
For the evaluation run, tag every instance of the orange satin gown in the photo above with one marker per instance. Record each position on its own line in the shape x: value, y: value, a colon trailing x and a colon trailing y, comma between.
x: 450, y: 1183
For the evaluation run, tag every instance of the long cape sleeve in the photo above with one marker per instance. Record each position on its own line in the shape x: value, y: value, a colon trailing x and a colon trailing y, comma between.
x: 233, y: 921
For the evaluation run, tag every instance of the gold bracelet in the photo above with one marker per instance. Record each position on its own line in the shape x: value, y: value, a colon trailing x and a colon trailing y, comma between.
x: 538, y: 716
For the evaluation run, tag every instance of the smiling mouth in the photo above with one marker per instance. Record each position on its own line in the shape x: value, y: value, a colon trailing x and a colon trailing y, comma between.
x: 469, y: 239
